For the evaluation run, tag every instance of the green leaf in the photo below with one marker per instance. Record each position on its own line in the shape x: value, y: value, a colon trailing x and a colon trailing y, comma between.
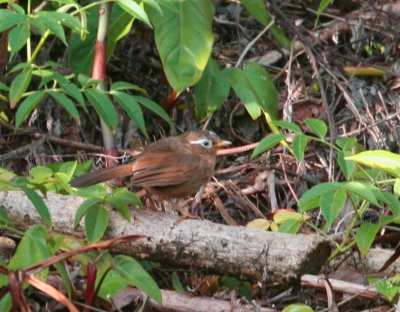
x: 363, y: 190
x: 9, y: 19
x: 134, y: 9
x: 396, y: 187
x: 27, y: 106
x: 126, y: 196
x: 83, y: 167
x: 66, y: 103
x: 40, y: 174
x: 346, y: 143
x: 268, y: 142
x: 332, y: 203
x: 291, y: 126
x: 39, y: 204
x: 317, y: 126
x: 97, y: 190
x: 83, y: 208
x: 69, y: 88
x: 73, y: 91
x: 31, y: 249
x: 131, y: 270
x: 65, y: 277
x: 123, y: 85
x: 103, y: 106
x: 17, y: 38
x: 290, y: 226
x: 68, y: 168
x: 120, y: 206
x: 299, y: 146
x: 49, y: 20
x: 3, y: 87
x: 4, y: 216
x: 15, y: 6
x: 365, y: 236
x: 254, y: 86
x: 383, y: 160
x: 19, y: 86
x: 389, y: 287
x: 298, y: 307
x: 391, y: 200
x: 67, y: 20
x: 347, y: 166
x: 81, y: 52
x: 132, y: 108
x: 96, y: 222
x: 176, y: 283
x: 322, y: 7
x: 21, y: 66
x: 154, y: 4
x: 310, y: 199
x: 154, y: 107
x: 112, y: 284
x: 184, y: 39
x: 211, y: 91
x: 6, y: 303
x: 258, y: 10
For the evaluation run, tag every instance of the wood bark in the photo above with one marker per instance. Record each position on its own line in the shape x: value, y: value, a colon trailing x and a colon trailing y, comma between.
x: 199, y: 244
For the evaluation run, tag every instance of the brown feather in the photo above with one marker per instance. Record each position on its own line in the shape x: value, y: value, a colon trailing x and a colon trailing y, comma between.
x: 172, y: 167
x: 102, y: 175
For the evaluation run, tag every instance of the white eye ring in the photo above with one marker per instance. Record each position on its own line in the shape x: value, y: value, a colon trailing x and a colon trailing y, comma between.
x: 206, y: 143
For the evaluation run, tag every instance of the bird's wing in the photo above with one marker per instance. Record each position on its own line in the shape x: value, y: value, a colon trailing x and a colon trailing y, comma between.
x: 163, y: 166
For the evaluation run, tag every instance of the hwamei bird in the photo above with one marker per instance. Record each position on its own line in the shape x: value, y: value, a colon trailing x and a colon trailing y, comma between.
x: 172, y: 167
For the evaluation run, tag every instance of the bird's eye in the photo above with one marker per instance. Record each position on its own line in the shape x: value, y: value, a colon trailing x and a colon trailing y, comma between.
x: 206, y: 143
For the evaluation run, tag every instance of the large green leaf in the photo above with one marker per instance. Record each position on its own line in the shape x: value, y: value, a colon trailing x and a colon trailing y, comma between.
x: 96, y: 222
x: 9, y: 19
x: 31, y: 249
x: 103, y: 106
x: 66, y: 103
x: 17, y: 38
x: 299, y: 145
x: 130, y: 269
x: 310, y: 199
x: 132, y: 108
x: 184, y: 38
x: 19, y: 86
x: 317, y: 126
x: 50, y: 21
x: 332, y: 203
x: 27, y: 106
x: 81, y: 52
x: 254, y: 86
x: 365, y: 236
x: 83, y: 208
x: 211, y: 91
x: 383, y: 160
x: 259, y: 11
x: 268, y: 142
x: 154, y: 107
x: 39, y: 204
x: 134, y: 9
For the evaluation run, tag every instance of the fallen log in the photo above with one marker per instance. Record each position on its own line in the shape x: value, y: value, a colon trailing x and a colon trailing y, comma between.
x: 200, y: 244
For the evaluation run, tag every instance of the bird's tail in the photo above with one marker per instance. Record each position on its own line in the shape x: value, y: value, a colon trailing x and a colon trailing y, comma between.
x: 102, y: 175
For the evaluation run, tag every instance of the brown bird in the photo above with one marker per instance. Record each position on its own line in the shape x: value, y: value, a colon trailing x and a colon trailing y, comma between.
x: 173, y: 167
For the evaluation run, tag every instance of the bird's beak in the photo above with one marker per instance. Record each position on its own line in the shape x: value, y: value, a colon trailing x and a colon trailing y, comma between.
x: 223, y: 144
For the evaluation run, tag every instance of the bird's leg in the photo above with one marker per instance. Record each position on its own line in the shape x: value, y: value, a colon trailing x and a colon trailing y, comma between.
x: 196, y: 203
x: 152, y: 204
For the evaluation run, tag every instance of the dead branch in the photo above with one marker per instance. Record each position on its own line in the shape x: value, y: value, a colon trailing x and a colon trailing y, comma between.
x: 246, y: 253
